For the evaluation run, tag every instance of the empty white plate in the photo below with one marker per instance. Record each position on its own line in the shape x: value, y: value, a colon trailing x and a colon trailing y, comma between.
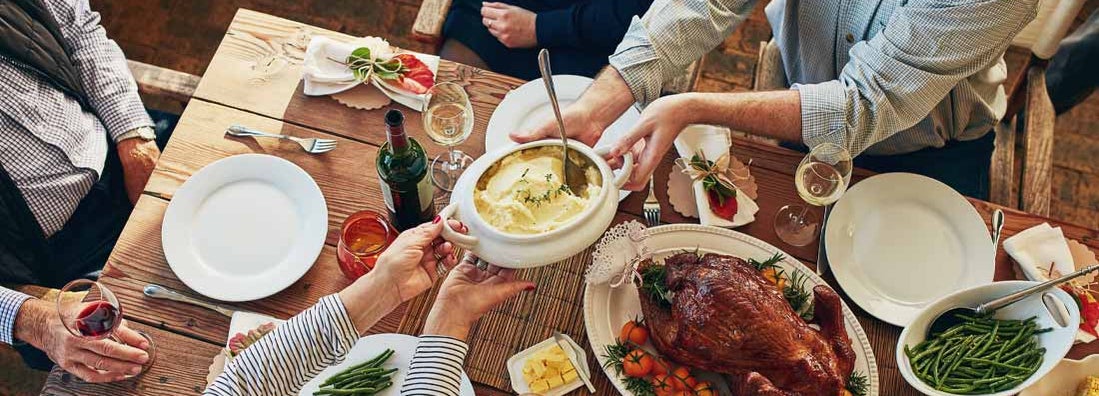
x: 528, y: 106
x: 899, y: 241
x: 244, y: 227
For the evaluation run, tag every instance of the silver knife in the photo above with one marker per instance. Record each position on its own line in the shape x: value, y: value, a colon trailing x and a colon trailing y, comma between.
x: 571, y: 353
x: 822, y: 255
x: 161, y: 292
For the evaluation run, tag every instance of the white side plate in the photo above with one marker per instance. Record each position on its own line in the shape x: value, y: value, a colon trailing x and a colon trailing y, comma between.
x: 898, y: 241
x: 607, y: 309
x: 244, y: 227
x: 528, y: 106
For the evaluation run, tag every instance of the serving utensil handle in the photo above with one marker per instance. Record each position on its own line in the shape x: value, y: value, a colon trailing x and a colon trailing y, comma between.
x: 992, y: 306
x: 627, y: 165
x: 463, y: 241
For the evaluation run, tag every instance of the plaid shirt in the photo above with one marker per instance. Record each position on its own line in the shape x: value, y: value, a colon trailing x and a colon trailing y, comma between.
x: 52, y: 149
x: 877, y: 76
x: 10, y: 301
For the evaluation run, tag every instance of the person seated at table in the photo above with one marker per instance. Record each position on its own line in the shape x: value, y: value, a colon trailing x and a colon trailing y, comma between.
x: 505, y: 36
x: 77, y: 145
x: 282, y: 362
x: 912, y: 86
x: 33, y: 323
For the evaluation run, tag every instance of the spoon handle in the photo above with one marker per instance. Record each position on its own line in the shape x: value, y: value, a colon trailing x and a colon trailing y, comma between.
x: 547, y: 78
x: 992, y: 306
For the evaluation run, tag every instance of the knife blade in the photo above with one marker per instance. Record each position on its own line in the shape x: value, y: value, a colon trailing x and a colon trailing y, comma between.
x: 161, y: 292
x: 571, y: 353
x: 822, y: 254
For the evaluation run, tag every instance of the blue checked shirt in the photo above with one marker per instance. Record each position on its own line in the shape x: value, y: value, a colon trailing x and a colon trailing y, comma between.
x: 877, y: 76
x: 10, y: 301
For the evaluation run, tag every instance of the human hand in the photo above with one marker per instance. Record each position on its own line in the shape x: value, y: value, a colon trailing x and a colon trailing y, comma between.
x: 469, y: 293
x: 416, y: 259
x: 138, y: 158
x: 657, y: 128
x: 513, y: 26
x: 38, y: 324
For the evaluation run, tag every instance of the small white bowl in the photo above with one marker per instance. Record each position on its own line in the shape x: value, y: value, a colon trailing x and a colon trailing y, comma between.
x: 1056, y: 342
x: 1065, y: 378
x: 516, y: 361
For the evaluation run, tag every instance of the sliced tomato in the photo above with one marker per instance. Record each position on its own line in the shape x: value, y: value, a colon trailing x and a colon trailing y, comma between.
x: 724, y: 210
x: 1089, y: 312
x: 416, y: 76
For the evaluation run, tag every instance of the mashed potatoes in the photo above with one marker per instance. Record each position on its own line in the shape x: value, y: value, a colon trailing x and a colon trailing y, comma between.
x: 524, y: 193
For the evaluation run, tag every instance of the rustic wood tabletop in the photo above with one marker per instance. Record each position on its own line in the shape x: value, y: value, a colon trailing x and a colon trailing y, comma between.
x: 254, y: 80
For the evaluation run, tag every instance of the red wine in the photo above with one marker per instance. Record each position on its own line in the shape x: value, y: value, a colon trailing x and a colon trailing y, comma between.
x: 98, y: 319
x: 403, y: 170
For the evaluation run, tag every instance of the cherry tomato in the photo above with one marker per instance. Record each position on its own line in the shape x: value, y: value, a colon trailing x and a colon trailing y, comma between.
x: 661, y: 366
x: 637, y: 363
x: 662, y: 385
x: 681, y: 378
x: 704, y: 388
x: 634, y: 332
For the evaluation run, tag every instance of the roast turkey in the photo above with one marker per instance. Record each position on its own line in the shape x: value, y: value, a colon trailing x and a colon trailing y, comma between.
x: 725, y: 317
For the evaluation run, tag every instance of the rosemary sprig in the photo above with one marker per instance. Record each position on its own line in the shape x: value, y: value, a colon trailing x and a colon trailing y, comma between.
x: 614, y: 355
x: 769, y: 263
x: 652, y: 278
x: 800, y: 299
x: 858, y: 384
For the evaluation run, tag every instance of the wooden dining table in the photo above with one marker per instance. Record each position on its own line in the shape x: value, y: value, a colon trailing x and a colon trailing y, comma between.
x: 254, y: 79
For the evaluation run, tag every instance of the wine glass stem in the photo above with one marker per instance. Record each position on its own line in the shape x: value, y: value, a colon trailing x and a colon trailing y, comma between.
x: 801, y: 216
x: 452, y: 163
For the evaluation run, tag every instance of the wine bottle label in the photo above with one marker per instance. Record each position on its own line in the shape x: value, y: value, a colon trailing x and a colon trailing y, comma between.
x: 387, y: 196
x: 427, y: 192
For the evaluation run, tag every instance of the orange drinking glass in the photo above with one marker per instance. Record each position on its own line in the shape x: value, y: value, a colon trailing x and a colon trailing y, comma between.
x: 363, y: 237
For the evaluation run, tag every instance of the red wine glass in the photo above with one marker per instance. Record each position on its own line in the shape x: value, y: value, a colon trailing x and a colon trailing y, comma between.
x: 91, y: 311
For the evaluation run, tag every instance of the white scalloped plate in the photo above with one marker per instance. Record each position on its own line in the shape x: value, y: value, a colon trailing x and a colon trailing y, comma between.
x: 607, y: 309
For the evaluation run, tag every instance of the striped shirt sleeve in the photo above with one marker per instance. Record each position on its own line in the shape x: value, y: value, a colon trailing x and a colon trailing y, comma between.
x: 282, y: 362
x: 436, y: 368
x: 10, y: 302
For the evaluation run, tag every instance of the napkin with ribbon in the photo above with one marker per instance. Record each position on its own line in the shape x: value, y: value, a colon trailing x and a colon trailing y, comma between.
x: 240, y: 323
x: 713, y: 143
x: 325, y: 71
x: 1040, y: 251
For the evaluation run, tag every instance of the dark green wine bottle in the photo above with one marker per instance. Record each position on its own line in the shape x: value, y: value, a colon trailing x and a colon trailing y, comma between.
x: 403, y: 170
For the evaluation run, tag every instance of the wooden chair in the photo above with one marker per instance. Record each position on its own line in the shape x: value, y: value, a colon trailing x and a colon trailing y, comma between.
x: 163, y: 89
x: 1022, y: 164
x: 428, y: 28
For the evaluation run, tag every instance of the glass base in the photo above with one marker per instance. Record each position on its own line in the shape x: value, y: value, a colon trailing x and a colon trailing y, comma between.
x: 796, y: 225
x: 447, y: 167
x: 151, y: 351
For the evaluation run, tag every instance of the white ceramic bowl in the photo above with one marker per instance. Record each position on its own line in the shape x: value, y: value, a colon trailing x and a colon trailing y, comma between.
x: 527, y: 251
x: 1056, y: 342
x: 1065, y: 378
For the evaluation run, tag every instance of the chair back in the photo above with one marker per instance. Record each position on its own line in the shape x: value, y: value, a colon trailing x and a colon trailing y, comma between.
x: 1043, y: 35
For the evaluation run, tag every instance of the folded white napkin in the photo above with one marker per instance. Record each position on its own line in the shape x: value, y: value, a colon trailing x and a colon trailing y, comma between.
x: 1038, y: 247
x: 714, y: 142
x: 325, y: 73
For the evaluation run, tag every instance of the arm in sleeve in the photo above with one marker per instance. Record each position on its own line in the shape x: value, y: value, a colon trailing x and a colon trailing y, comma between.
x: 436, y: 368
x: 104, y: 73
x: 282, y: 362
x: 895, y: 79
x: 589, y: 25
x: 671, y: 35
x: 10, y: 302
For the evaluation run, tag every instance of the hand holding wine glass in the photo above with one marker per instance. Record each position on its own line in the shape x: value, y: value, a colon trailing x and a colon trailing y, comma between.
x: 96, y: 320
x: 821, y: 178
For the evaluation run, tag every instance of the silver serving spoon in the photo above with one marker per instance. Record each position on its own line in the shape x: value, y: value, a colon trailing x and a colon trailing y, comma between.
x: 573, y: 176
x: 950, y: 318
x: 997, y: 227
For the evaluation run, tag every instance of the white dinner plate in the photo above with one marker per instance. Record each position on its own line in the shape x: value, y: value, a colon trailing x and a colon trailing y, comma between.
x: 528, y: 106
x: 403, y: 346
x: 899, y: 241
x: 244, y: 227
x: 607, y: 309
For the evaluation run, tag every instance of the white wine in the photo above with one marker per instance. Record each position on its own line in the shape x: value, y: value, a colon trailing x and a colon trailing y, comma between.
x: 448, y: 123
x: 819, y: 183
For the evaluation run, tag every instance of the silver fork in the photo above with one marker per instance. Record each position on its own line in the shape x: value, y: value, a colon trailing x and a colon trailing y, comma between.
x: 310, y: 145
x: 652, y: 207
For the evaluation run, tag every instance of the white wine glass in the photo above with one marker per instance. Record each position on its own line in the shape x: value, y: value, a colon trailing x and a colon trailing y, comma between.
x: 821, y: 178
x: 448, y: 121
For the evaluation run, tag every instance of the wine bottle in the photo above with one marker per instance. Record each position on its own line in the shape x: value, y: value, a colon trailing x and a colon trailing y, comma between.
x: 403, y: 171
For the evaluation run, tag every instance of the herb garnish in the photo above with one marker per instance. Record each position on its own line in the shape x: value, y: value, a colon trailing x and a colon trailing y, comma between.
x: 652, y: 283
x: 614, y: 355
x: 858, y: 384
x: 364, y: 66
x: 710, y: 183
x: 800, y: 299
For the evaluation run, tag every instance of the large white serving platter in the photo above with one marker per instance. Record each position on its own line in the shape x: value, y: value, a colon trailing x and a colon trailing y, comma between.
x: 528, y: 106
x: 898, y: 241
x: 606, y: 309
x: 403, y: 346
x: 244, y: 227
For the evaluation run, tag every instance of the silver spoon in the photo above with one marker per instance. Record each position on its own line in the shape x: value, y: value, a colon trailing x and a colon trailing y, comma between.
x: 950, y: 318
x: 997, y: 227
x: 573, y: 177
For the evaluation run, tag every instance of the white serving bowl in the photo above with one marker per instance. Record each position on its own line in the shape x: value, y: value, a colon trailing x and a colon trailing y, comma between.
x: 1065, y: 378
x: 527, y: 251
x: 1056, y: 342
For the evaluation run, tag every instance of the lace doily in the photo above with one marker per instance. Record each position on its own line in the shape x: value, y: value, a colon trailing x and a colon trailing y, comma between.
x: 617, y: 254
